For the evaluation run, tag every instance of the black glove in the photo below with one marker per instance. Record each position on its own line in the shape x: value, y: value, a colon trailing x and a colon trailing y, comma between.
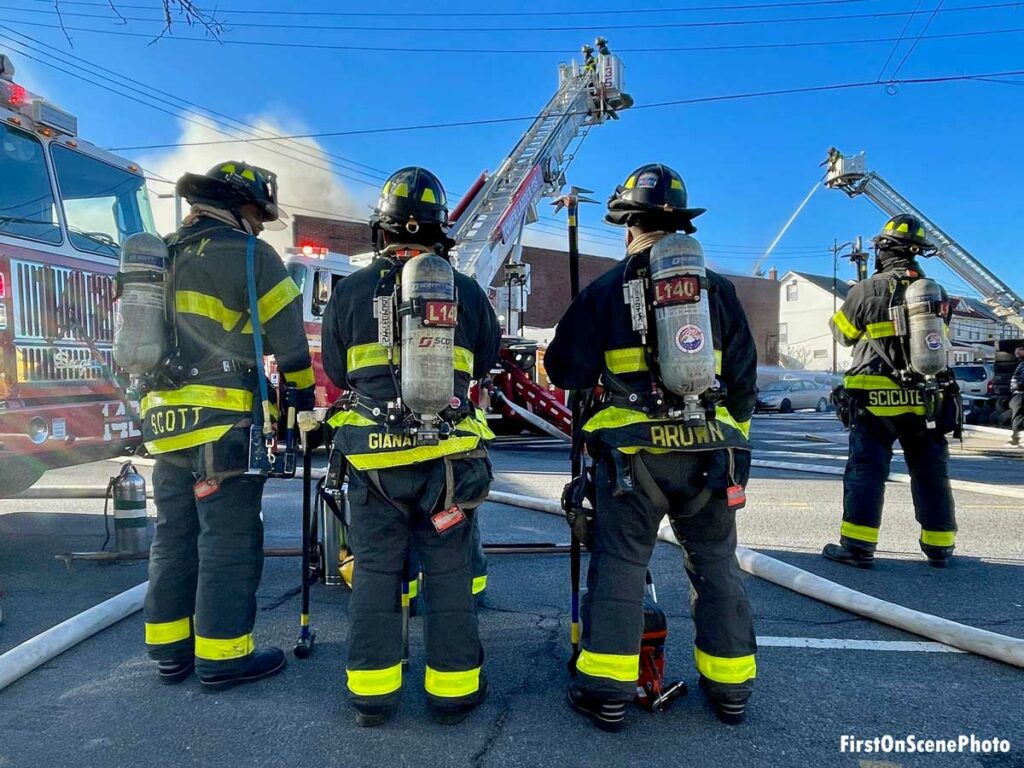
x: 577, y: 516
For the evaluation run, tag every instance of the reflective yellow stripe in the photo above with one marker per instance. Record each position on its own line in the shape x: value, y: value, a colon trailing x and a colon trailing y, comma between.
x: 869, y: 381
x: 622, y: 667
x: 627, y: 360
x: 463, y: 360
x: 368, y: 355
x: 216, y: 649
x: 938, y: 538
x: 451, y: 685
x: 849, y: 330
x: 168, y: 631
x: 614, y: 417
x: 723, y: 416
x: 375, y: 682
x: 414, y: 588
x: 350, y: 419
x: 187, y: 440
x: 718, y: 362
x: 479, y: 584
x: 386, y: 460
x: 221, y: 398
x: 859, y: 532
x: 881, y: 330
x: 722, y: 670
x: 210, y: 307
x: 273, y: 301
x: 302, y: 379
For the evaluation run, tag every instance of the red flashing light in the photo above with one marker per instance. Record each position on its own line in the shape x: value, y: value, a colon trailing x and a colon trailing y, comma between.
x: 3, y: 286
x: 17, y: 96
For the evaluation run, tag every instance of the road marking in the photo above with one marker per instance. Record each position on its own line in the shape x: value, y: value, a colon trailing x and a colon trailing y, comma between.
x: 809, y: 455
x: 1008, y: 491
x: 916, y: 646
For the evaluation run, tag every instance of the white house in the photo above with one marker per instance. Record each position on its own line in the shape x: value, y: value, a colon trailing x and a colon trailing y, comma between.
x: 806, y: 304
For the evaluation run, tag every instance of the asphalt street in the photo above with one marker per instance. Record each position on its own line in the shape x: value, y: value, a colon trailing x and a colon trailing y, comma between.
x: 99, y: 704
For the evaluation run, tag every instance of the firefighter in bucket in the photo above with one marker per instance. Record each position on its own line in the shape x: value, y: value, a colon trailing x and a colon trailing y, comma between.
x: 404, y: 336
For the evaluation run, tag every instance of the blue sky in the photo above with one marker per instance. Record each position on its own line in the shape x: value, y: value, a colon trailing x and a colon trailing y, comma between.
x: 951, y: 148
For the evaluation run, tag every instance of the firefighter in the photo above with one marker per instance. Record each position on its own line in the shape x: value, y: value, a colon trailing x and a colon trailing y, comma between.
x: 406, y: 490
x: 886, y: 403
x: 649, y: 461
x: 207, y: 553
x: 1017, y: 399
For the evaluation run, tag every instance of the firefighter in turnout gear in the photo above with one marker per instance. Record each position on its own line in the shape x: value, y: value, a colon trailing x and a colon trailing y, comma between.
x: 661, y: 451
x: 207, y: 554
x: 890, y: 398
x: 404, y: 336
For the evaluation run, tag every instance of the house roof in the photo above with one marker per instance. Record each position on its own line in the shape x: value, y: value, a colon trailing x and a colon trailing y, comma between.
x: 970, y: 307
x: 825, y: 283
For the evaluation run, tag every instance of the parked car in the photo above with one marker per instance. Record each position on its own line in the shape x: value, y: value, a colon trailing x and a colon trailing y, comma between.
x: 791, y: 395
x: 975, y: 378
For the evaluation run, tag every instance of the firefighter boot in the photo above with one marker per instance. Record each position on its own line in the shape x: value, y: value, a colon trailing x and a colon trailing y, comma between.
x: 938, y: 557
x: 259, y: 664
x: 371, y: 717
x: 607, y: 715
x: 453, y: 715
x: 174, y: 672
x: 731, y: 708
x: 847, y: 555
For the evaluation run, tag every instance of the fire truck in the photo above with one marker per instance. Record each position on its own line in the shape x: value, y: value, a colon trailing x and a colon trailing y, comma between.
x: 65, y: 207
x: 488, y: 225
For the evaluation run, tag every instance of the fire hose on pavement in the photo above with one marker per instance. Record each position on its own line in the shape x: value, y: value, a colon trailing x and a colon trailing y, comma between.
x: 22, y: 659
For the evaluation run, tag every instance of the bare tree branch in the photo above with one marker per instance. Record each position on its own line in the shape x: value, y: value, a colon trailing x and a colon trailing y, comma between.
x: 186, y: 11
x: 116, y: 11
x: 60, y: 20
x: 192, y: 14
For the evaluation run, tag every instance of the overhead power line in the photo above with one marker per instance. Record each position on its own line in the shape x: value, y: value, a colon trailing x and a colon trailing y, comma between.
x: 935, y: 11
x: 655, y: 105
x: 312, y: 158
x: 481, y: 14
x: 599, y: 28
x: 510, y: 51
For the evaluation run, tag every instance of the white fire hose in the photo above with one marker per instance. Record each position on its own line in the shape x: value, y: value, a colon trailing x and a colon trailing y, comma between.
x: 1009, y: 650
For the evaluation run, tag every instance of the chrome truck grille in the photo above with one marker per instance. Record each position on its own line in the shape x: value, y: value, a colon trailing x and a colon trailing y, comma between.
x: 56, y: 312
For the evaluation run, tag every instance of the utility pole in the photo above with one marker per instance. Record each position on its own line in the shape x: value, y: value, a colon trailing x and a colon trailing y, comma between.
x: 860, y: 260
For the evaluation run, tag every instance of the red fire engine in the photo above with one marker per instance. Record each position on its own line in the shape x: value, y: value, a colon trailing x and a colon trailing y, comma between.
x: 65, y: 207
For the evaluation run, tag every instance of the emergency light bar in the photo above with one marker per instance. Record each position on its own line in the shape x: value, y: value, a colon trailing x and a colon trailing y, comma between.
x: 47, y: 117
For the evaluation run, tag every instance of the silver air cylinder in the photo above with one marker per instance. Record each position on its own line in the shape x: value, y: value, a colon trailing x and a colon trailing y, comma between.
x: 428, y: 314
x: 335, y: 545
x: 925, y: 302
x: 140, y: 336
x: 686, y: 352
x: 131, y: 526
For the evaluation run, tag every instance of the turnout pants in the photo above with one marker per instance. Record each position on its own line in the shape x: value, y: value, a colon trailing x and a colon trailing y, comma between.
x: 927, y: 456
x: 624, y: 533
x: 207, y: 556
x: 391, y: 511
x: 479, y: 565
x: 1017, y: 414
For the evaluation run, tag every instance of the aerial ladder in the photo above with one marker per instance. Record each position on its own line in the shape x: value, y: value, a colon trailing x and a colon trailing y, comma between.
x: 851, y: 175
x: 490, y: 219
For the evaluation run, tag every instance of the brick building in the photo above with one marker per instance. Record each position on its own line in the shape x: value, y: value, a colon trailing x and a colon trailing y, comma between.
x: 550, y: 279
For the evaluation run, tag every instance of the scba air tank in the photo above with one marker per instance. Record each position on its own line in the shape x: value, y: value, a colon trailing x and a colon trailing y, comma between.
x: 682, y: 315
x: 927, y: 306
x: 428, y: 318
x: 140, y: 327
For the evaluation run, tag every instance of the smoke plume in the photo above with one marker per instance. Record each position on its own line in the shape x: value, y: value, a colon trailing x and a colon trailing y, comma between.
x: 306, y: 186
